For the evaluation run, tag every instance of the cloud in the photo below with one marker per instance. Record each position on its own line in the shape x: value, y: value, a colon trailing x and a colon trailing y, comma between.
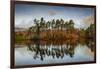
x: 25, y: 23
x: 52, y: 13
x: 87, y: 21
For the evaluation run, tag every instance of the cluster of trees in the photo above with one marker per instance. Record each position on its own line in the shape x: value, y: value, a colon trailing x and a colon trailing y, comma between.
x: 88, y: 33
x: 58, y: 29
x: 59, y: 24
x: 54, y: 29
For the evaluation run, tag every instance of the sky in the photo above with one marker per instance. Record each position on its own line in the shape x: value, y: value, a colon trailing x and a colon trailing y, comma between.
x: 25, y: 14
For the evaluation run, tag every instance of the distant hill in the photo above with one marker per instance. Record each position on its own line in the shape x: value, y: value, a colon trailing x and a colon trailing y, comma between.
x: 20, y: 29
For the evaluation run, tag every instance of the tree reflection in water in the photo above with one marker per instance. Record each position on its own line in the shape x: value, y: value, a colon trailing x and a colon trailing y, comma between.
x: 55, y: 49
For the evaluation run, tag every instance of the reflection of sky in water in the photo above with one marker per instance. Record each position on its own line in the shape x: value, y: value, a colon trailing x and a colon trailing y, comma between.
x: 25, y: 57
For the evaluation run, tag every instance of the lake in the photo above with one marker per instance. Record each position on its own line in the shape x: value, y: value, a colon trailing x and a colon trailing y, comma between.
x: 42, y: 52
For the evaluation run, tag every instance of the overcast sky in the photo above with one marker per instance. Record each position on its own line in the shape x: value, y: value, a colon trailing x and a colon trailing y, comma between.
x: 25, y: 14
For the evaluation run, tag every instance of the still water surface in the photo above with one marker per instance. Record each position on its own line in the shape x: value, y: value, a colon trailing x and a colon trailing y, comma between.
x: 38, y: 53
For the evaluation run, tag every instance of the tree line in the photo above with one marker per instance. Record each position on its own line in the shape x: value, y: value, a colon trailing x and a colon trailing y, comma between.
x: 58, y: 29
x: 58, y: 24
